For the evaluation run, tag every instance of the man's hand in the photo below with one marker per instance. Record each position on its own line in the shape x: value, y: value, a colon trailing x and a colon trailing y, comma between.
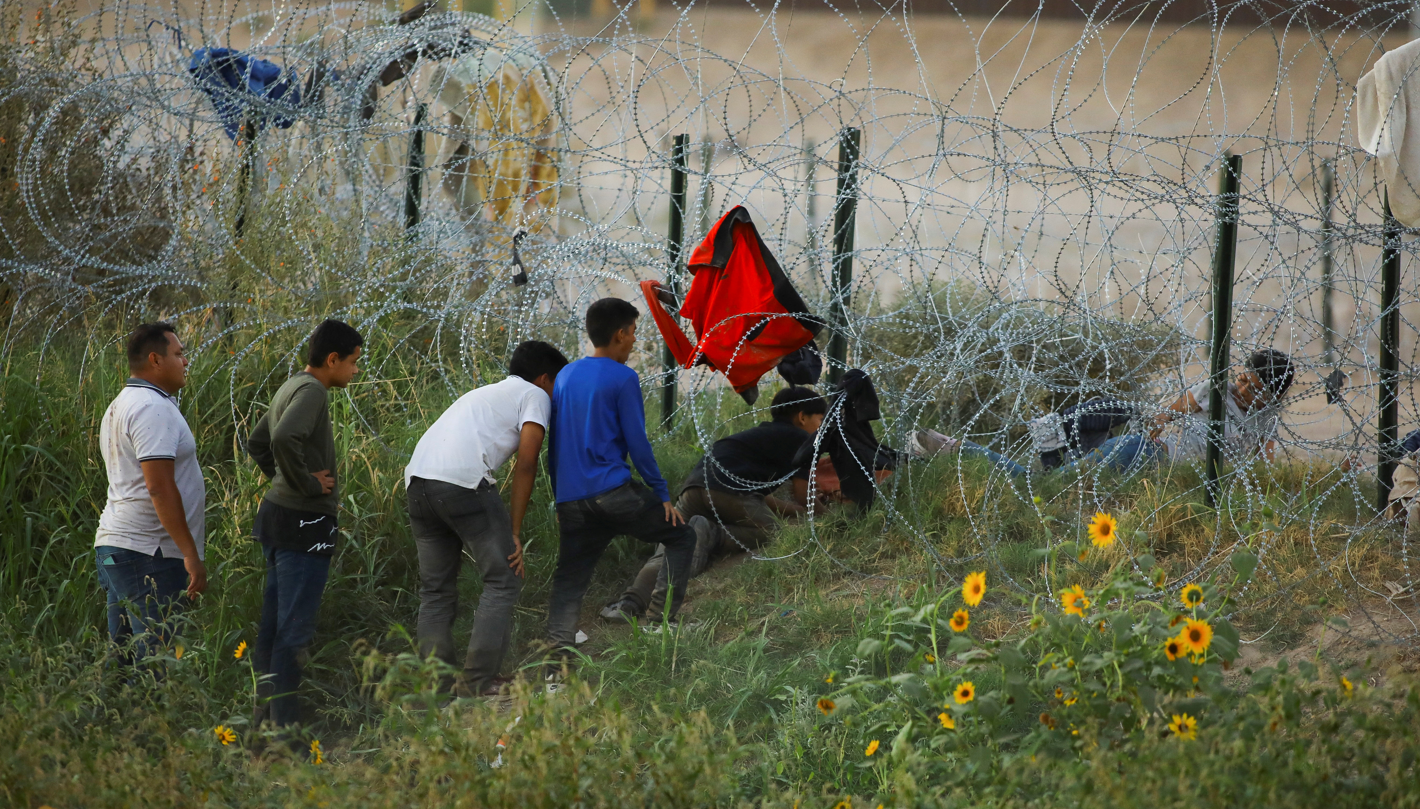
x: 196, y: 576
x: 673, y: 515
x: 326, y: 481
x: 515, y: 559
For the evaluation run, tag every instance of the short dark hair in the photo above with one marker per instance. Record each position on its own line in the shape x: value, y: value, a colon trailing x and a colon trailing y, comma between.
x: 332, y: 336
x: 147, y: 339
x: 533, y: 358
x: 607, y: 317
x: 794, y: 400
x: 1274, y: 369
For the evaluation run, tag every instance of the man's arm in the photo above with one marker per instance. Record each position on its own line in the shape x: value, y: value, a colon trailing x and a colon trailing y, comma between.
x: 1182, y: 405
x: 159, y: 477
x: 288, y: 438
x: 524, y: 475
x: 786, y: 508
x: 631, y: 415
x: 259, y: 446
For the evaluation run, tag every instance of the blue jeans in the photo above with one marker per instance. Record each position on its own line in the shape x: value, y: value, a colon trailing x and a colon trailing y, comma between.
x: 1125, y: 453
x: 295, y: 581
x: 586, y: 527
x: 1003, y: 463
x: 144, y: 595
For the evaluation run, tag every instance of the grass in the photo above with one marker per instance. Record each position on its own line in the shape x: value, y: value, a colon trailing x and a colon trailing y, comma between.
x: 718, y: 715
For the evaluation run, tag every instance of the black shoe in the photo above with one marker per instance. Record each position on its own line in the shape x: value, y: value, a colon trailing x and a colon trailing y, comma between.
x: 623, y: 611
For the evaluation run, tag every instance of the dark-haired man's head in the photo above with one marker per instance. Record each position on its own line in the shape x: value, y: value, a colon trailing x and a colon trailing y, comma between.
x: 538, y: 363
x: 333, y: 353
x: 800, y: 407
x: 155, y: 354
x: 611, y: 325
x: 1266, y: 380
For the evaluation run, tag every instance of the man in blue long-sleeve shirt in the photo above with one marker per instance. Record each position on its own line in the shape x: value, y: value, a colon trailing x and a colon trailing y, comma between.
x: 597, y: 421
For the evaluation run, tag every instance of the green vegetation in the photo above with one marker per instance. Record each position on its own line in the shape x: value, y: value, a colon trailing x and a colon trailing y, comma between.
x: 721, y: 714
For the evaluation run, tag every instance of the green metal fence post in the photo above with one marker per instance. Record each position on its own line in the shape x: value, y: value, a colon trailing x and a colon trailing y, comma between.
x: 844, y: 217
x: 1224, y: 257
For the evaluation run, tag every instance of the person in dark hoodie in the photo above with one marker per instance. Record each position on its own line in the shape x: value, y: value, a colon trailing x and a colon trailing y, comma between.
x: 728, y: 500
x: 294, y: 446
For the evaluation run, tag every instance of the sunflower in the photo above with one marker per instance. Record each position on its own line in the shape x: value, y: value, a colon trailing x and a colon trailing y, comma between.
x: 974, y: 588
x: 225, y: 735
x: 1191, y: 596
x: 929, y: 657
x: 1059, y: 692
x: 1196, y: 636
x: 240, y: 650
x: 1173, y: 649
x: 1074, y: 601
x: 947, y: 721
x: 1184, y: 726
x: 872, y: 748
x: 1071, y: 701
x: 966, y: 692
x: 829, y: 678
x: 1347, y: 686
x: 1102, y: 530
x: 316, y: 757
x: 826, y: 706
x: 961, y: 619
x: 1047, y: 720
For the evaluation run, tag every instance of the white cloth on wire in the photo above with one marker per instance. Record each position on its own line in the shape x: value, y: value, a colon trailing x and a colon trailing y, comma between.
x: 1388, y: 126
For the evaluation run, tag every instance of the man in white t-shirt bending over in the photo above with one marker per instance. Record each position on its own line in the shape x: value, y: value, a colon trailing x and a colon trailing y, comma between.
x: 454, y: 507
x: 149, y: 543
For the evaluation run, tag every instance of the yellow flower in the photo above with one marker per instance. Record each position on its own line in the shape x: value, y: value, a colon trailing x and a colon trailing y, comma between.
x: 1173, y: 649
x: 844, y: 804
x: 240, y: 650
x: 1059, y: 692
x: 825, y: 706
x: 872, y: 748
x: 947, y: 721
x: 1072, y: 701
x: 961, y: 619
x: 929, y: 657
x: 1347, y: 686
x: 1191, y: 596
x: 178, y: 650
x: 1102, y: 530
x: 1184, y: 726
x: 1074, y: 601
x: 316, y: 757
x: 966, y: 692
x: 1196, y: 636
x: 974, y: 588
x: 225, y: 735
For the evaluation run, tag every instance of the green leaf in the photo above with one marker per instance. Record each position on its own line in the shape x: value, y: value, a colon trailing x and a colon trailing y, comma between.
x: 1144, y: 561
x: 958, y: 644
x: 1010, y: 657
x: 869, y: 647
x: 1244, y: 562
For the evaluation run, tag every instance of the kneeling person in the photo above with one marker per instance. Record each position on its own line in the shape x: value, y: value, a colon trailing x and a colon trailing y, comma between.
x: 726, y: 498
x: 455, y: 508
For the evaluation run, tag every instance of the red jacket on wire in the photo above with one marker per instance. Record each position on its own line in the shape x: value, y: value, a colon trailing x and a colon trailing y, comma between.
x: 745, y: 313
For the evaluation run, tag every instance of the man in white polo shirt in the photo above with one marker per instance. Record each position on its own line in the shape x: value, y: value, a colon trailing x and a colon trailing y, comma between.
x: 149, y: 546
x: 455, y: 508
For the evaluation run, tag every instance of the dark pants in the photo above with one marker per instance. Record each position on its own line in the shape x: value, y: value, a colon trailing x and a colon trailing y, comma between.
x: 449, y: 521
x: 144, y: 596
x: 587, y: 527
x: 295, y: 581
x: 735, y: 523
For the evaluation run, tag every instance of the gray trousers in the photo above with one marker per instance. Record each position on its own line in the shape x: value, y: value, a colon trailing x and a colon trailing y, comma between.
x: 733, y: 523
x: 449, y: 521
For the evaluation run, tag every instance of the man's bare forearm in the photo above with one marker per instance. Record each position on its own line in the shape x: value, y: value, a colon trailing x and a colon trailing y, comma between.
x: 524, y: 476
x: 784, y: 508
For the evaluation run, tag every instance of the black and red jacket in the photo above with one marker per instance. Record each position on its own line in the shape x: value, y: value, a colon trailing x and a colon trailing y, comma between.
x: 746, y: 314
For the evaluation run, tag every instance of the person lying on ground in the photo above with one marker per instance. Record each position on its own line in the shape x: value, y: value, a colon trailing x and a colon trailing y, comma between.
x: 1252, y: 416
x: 149, y: 546
x: 455, y: 509
x: 293, y: 444
x: 728, y: 496
x: 598, y: 419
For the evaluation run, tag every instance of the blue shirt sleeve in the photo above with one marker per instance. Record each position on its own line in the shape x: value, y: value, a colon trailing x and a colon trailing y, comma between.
x: 631, y: 414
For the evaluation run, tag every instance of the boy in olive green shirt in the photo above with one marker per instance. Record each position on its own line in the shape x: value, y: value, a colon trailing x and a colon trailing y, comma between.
x: 293, y: 445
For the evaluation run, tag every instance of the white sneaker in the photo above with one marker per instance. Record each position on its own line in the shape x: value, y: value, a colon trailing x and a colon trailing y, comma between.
x: 930, y: 444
